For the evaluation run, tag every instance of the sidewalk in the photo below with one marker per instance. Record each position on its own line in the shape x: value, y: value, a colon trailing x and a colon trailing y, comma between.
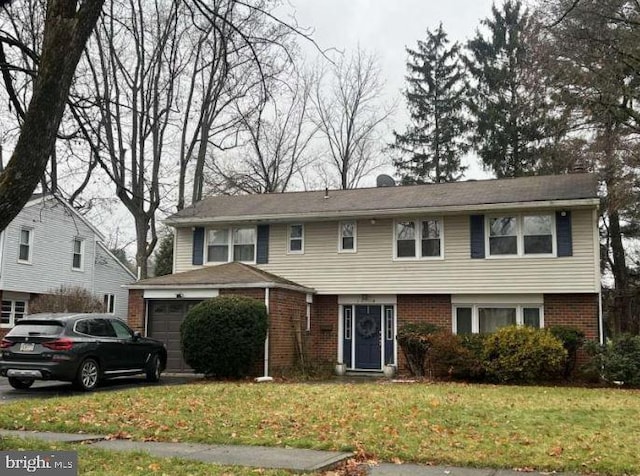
x: 293, y: 459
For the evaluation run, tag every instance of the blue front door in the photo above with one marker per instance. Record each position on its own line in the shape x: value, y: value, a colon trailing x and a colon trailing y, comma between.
x: 368, y: 323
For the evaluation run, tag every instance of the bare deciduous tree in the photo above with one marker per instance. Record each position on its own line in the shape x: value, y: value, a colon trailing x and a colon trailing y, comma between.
x: 67, y: 27
x: 349, y: 115
x: 240, y: 49
x: 277, y: 146
x: 134, y: 68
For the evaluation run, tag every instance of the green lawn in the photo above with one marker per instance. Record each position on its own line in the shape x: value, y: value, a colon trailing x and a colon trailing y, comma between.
x: 562, y: 429
x: 94, y: 462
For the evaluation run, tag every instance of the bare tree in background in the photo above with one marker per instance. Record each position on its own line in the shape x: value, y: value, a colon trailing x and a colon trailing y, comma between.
x: 67, y: 27
x: 349, y: 115
x: 134, y: 67
x: 277, y: 146
x: 240, y: 52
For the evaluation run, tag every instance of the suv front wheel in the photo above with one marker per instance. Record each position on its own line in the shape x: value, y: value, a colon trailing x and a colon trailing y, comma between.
x: 88, y: 375
x: 154, y: 367
x: 20, y: 383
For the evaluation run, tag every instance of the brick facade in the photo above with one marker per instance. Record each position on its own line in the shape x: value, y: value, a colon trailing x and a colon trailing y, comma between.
x: 322, y: 340
x: 415, y: 308
x: 576, y: 310
x: 287, y: 329
x: 135, y: 317
x: 288, y: 337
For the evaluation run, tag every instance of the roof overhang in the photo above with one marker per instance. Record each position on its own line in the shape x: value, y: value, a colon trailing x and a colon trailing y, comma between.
x: 379, y: 213
x: 258, y: 285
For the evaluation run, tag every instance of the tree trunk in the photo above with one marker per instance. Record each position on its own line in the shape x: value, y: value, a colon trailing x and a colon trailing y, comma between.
x: 65, y: 34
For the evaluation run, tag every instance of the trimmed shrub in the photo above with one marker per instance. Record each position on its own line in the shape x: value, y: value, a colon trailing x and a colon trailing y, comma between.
x: 224, y: 336
x: 572, y: 339
x: 414, y: 340
x: 523, y: 354
x: 619, y: 360
x: 456, y: 356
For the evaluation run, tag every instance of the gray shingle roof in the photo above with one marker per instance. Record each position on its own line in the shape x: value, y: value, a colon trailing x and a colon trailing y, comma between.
x: 226, y: 275
x: 468, y: 194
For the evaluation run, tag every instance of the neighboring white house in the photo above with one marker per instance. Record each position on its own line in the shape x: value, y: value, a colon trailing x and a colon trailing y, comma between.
x: 49, y: 245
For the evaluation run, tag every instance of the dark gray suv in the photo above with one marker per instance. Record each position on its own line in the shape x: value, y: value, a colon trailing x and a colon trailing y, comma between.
x: 80, y: 348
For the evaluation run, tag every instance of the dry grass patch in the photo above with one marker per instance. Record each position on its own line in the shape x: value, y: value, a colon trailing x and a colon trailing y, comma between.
x: 562, y: 429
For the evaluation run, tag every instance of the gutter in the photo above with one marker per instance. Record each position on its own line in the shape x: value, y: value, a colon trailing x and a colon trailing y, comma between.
x: 391, y: 212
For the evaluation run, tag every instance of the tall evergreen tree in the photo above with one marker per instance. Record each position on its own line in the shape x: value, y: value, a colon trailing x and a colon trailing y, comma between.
x: 434, y: 142
x: 599, y: 77
x: 508, y: 98
x: 164, y: 256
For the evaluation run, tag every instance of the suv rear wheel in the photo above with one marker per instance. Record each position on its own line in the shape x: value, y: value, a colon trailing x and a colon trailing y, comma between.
x: 20, y: 383
x: 88, y: 375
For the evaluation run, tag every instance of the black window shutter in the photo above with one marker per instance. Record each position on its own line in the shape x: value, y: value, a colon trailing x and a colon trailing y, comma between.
x: 198, y: 245
x: 262, y: 254
x: 563, y: 234
x: 476, y: 229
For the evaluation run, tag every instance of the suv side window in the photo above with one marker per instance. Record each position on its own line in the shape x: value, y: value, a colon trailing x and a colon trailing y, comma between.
x: 122, y: 331
x: 82, y: 327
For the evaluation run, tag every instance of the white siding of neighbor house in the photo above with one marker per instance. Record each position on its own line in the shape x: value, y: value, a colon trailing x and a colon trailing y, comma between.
x: 110, y: 276
x: 372, y: 269
x: 54, y: 228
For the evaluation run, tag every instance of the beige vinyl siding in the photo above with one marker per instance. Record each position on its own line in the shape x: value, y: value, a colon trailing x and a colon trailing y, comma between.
x: 184, y: 250
x: 372, y: 269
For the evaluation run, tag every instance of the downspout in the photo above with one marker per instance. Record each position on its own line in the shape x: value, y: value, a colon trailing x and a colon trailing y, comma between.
x: 600, y: 319
x: 266, y: 341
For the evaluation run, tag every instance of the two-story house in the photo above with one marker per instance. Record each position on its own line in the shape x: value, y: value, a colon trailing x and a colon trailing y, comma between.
x: 346, y: 268
x: 49, y: 245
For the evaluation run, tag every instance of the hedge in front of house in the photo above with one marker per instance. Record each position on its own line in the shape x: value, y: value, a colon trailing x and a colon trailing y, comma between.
x: 523, y: 354
x: 618, y: 361
x: 415, y: 341
x: 224, y: 336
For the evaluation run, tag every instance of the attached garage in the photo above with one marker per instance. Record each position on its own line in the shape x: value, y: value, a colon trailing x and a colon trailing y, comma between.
x: 163, y: 323
x: 157, y: 307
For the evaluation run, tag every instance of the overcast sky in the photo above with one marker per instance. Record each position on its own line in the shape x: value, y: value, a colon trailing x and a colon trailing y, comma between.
x: 386, y: 27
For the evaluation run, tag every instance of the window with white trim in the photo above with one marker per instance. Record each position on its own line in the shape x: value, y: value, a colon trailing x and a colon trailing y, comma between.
x: 218, y: 245
x: 521, y: 235
x: 296, y: 238
x: 231, y: 244
x: 244, y: 244
x: 109, y: 303
x: 25, y: 246
x: 486, y: 318
x: 12, y: 311
x: 418, y: 238
x: 77, y: 260
x: 348, y: 236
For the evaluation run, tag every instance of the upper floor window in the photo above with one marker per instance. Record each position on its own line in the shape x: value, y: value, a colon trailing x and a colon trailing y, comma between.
x: 12, y: 311
x: 537, y: 234
x: 218, y: 245
x: 244, y: 244
x: 418, y: 238
x: 231, y: 244
x: 25, y: 246
x: 347, y: 239
x: 521, y: 235
x: 78, y: 254
x: 296, y: 239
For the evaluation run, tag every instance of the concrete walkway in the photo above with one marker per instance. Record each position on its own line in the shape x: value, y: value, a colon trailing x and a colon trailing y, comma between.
x: 292, y: 459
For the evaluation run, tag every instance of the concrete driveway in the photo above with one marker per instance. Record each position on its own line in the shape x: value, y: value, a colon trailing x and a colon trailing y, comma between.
x: 46, y: 389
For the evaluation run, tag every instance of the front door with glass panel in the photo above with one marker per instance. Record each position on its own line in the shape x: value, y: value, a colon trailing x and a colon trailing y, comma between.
x: 367, y: 334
